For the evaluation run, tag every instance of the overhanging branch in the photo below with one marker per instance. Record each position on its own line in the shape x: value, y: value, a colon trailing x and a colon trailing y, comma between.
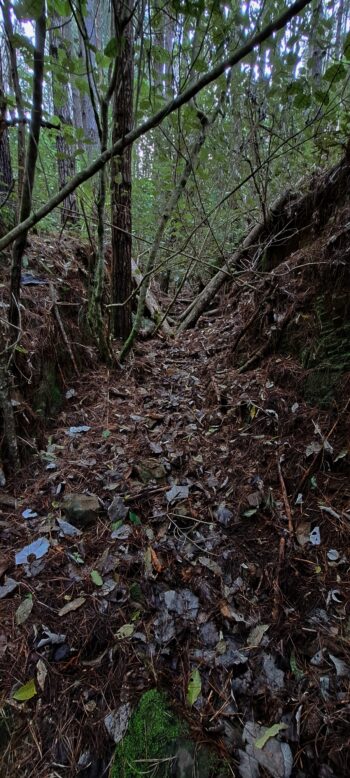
x: 154, y: 121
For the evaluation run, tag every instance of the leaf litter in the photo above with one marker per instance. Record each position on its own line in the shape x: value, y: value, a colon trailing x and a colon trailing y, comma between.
x: 205, y: 589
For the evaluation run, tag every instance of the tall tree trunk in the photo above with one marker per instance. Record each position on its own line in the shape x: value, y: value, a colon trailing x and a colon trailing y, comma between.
x: 31, y: 158
x: 87, y: 109
x: 6, y: 179
x: 315, y: 49
x: 21, y: 131
x: 61, y: 105
x: 339, y: 29
x: 121, y: 174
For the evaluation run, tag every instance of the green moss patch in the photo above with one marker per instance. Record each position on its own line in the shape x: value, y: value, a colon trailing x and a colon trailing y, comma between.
x: 157, y: 744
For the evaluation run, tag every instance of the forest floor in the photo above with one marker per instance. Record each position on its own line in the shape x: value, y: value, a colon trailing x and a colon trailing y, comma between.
x: 213, y: 563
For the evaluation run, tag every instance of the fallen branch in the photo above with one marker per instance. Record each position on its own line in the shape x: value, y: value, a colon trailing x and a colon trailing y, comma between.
x: 276, y: 584
x: 253, y: 239
x: 286, y: 503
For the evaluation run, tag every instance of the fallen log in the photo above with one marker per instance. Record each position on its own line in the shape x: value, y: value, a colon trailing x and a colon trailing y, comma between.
x: 290, y: 220
x: 253, y: 239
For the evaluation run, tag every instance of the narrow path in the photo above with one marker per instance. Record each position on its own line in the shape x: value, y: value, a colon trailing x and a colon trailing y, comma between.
x: 183, y: 572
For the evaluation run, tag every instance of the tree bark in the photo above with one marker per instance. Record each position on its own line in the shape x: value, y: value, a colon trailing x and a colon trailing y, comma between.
x: 6, y: 179
x: 65, y: 152
x: 32, y: 154
x: 121, y: 174
x: 21, y: 131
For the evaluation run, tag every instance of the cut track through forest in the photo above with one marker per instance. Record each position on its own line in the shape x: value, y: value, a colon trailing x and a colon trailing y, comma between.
x: 209, y: 530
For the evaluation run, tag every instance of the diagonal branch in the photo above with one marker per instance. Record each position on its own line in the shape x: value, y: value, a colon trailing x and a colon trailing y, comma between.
x: 173, y: 105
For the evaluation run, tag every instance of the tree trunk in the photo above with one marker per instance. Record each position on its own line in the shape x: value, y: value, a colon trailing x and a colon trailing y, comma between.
x: 21, y: 136
x: 65, y: 152
x: 121, y: 175
x: 87, y: 110
x: 32, y: 154
x: 6, y: 179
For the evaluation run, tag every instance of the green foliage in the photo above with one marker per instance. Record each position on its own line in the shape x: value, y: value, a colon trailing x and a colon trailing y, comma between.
x: 151, y: 730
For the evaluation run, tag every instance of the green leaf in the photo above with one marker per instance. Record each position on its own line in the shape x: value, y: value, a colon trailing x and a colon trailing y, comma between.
x: 194, y: 687
x: 25, y: 692
x: 125, y: 631
x: 77, y: 558
x: 96, y: 578
x: 28, y: 9
x: 111, y: 50
x: 302, y: 101
x: 116, y: 524
x: 106, y: 434
x: 270, y: 732
x: 135, y: 519
x: 335, y: 73
x: 297, y: 672
x: 250, y: 512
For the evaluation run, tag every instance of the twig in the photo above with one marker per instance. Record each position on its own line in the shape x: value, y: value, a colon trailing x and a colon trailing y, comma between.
x: 276, y: 583
x: 285, y: 498
x: 60, y: 324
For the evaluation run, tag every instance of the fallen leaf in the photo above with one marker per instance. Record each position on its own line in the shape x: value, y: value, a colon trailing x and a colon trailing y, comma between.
x: 270, y: 732
x: 116, y: 723
x: 77, y: 430
x: 29, y: 514
x: 125, y: 631
x: 256, y: 634
x: 155, y: 561
x: 72, y: 606
x: 134, y: 519
x: 194, y: 687
x: 9, y: 586
x: 315, y: 537
x: 24, y: 610
x: 96, y: 578
x: 41, y: 673
x: 38, y: 548
x: 25, y: 692
x: 177, y: 493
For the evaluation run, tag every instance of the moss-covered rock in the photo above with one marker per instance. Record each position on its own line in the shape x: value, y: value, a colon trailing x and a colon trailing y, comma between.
x: 157, y: 743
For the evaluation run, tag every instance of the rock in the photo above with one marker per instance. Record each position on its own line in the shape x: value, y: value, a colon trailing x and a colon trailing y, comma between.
x: 150, y: 470
x: 81, y: 509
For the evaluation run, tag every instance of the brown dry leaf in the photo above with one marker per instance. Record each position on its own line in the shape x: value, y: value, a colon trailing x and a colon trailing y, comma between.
x: 155, y: 561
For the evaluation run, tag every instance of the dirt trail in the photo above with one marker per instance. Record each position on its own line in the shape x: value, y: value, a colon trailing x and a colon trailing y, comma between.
x: 219, y: 542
